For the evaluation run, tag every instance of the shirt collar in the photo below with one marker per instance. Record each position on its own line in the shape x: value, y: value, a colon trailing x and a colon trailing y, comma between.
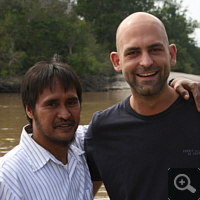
x: 76, y: 152
x: 37, y: 155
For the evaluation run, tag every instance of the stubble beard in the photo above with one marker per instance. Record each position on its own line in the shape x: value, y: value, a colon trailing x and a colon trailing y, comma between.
x: 149, y: 87
x: 56, y: 141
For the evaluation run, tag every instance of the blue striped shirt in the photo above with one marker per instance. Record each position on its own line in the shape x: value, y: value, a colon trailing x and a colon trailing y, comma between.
x: 30, y: 172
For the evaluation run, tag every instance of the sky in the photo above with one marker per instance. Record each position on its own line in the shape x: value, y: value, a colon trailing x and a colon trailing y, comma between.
x: 193, y: 7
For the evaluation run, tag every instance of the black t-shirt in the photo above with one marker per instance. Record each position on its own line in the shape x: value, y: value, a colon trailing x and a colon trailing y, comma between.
x: 132, y: 153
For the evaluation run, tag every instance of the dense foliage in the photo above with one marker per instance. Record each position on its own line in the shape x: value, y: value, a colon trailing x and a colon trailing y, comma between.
x: 34, y: 30
x: 82, y: 33
x: 179, y: 29
x: 105, y: 16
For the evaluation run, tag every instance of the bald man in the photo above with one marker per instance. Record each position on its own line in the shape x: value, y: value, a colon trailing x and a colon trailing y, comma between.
x: 131, y: 145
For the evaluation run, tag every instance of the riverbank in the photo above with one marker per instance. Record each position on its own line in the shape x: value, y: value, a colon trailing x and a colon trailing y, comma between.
x: 90, y: 84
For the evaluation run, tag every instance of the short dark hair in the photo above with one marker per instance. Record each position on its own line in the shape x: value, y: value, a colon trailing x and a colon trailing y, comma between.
x: 42, y: 75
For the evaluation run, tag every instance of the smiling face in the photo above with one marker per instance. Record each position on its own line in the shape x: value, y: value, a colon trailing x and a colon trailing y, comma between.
x: 143, y: 56
x: 56, y: 116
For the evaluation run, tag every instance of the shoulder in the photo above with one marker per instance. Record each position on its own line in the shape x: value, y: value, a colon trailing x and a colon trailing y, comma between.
x: 182, y: 108
x: 111, y: 111
x: 80, y: 135
x: 190, y: 103
x: 12, y: 162
x: 13, y: 166
x: 12, y: 155
x: 80, y: 132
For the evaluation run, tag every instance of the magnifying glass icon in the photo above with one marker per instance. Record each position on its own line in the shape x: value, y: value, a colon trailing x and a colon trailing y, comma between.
x: 182, y: 182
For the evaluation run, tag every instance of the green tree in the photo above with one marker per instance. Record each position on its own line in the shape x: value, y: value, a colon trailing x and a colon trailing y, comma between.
x: 34, y: 30
x: 78, y: 47
x: 179, y: 28
x: 11, y: 58
x: 105, y: 16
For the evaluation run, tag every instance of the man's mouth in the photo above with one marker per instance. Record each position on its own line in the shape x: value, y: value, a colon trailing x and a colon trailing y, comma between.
x: 64, y: 125
x: 67, y: 124
x: 147, y: 74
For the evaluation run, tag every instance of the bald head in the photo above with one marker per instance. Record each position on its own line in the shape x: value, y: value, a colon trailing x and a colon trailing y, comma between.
x: 135, y: 19
x: 144, y: 55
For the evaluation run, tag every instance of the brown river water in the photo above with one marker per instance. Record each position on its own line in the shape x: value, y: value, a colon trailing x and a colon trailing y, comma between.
x: 12, y: 117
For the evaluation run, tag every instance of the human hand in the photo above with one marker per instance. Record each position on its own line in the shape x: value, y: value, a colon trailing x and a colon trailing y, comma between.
x: 184, y: 86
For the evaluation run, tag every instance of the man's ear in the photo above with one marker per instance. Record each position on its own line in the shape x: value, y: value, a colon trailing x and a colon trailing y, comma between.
x: 114, y: 57
x: 172, y: 52
x: 29, y: 112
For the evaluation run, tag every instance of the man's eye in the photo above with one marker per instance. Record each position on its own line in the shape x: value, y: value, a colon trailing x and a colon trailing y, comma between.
x: 156, y: 50
x: 53, y: 104
x: 132, y: 53
x: 72, y: 103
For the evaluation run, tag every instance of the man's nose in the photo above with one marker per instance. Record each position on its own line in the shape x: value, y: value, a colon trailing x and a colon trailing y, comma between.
x: 64, y: 113
x: 146, y: 60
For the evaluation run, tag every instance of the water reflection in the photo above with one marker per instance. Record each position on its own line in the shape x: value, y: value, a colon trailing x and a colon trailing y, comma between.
x: 12, y: 117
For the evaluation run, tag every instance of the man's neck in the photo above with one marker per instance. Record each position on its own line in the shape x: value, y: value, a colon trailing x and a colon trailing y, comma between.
x: 59, y: 152
x: 151, y: 105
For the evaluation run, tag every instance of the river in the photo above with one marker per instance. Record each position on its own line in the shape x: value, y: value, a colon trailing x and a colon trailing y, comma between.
x: 12, y: 117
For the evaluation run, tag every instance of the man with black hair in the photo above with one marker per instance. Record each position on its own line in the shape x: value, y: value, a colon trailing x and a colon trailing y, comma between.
x: 49, y: 162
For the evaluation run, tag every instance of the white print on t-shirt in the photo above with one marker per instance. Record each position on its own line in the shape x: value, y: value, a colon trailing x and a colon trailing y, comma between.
x: 191, y: 152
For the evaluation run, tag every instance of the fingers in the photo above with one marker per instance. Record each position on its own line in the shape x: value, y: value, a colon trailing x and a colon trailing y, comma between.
x: 180, y: 85
x: 194, y: 88
x: 196, y: 93
x: 184, y: 86
x: 182, y: 91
